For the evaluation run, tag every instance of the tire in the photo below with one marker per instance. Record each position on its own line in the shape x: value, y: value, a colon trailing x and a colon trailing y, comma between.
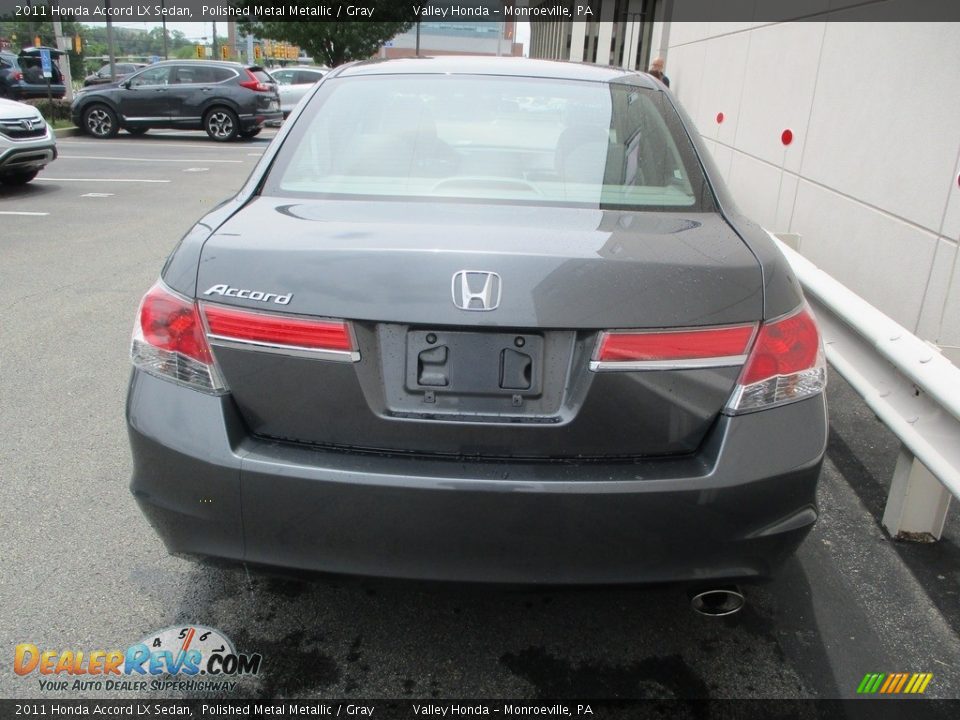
x: 249, y: 133
x: 18, y: 178
x: 137, y: 131
x: 99, y: 121
x: 221, y: 124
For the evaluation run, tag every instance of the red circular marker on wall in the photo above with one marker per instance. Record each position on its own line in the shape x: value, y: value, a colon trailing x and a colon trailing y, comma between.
x: 787, y: 136
x: 719, y: 118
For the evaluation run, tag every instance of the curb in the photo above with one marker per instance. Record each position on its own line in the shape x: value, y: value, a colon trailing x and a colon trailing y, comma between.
x: 67, y: 132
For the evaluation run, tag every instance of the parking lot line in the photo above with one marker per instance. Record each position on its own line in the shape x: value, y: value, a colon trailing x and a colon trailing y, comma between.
x: 161, y: 144
x: 50, y: 179
x: 17, y: 212
x: 147, y: 160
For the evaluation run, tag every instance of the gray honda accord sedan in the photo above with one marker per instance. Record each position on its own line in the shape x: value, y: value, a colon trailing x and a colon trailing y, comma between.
x: 481, y: 319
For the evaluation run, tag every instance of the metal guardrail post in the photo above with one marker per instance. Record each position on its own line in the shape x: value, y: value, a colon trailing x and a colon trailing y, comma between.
x: 910, y: 386
x: 917, y: 504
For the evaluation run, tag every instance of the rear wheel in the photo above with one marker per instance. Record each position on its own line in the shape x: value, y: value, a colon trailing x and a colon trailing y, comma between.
x: 137, y: 130
x: 18, y: 178
x: 100, y: 121
x: 221, y: 124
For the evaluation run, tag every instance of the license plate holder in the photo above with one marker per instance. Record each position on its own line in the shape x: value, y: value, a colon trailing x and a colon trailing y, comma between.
x: 474, y: 363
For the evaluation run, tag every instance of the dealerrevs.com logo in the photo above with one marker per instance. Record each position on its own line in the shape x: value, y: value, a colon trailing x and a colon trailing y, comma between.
x: 177, y: 658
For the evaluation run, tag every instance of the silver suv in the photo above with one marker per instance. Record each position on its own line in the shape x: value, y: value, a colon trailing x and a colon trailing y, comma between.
x: 27, y: 143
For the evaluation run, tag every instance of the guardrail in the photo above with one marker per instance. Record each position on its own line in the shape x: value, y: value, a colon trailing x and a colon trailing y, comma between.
x: 911, y: 387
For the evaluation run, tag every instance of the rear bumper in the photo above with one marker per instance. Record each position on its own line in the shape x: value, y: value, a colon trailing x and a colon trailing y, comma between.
x: 735, y: 511
x: 260, y: 119
x: 26, y: 91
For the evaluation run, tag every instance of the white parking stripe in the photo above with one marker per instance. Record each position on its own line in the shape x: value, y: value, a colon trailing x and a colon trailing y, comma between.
x: 16, y: 212
x: 149, y: 160
x: 50, y: 179
x: 198, y: 146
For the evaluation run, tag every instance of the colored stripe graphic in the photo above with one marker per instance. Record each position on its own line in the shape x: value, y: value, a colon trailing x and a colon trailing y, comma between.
x: 903, y: 680
x: 891, y: 680
x: 894, y: 683
x: 870, y: 683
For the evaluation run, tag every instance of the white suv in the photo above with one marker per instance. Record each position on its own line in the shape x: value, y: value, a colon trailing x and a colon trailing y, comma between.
x: 27, y: 143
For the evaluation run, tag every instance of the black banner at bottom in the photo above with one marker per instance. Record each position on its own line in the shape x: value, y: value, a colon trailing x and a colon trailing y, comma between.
x: 436, y: 709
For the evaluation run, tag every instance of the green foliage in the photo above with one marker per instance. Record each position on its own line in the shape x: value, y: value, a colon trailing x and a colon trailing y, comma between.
x: 334, y: 43
x: 56, y: 109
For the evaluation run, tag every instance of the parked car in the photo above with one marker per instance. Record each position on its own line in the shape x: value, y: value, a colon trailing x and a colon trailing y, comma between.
x: 525, y: 347
x: 27, y: 143
x: 294, y: 82
x: 21, y: 75
x: 226, y: 99
x: 102, y: 76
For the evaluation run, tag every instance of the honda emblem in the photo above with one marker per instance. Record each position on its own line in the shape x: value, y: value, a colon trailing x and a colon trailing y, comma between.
x: 476, y: 290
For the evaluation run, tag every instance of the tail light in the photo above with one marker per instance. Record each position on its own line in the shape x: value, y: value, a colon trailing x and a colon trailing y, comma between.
x: 785, y: 364
x: 782, y: 360
x: 254, y: 83
x: 169, y: 341
x: 318, y: 338
x: 16, y: 76
x: 673, y: 349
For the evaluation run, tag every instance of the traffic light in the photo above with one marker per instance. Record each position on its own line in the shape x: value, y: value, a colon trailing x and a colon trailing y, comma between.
x: 257, y: 52
x: 200, y: 52
x: 224, y: 52
x: 36, y: 41
x: 266, y: 48
x: 77, y: 44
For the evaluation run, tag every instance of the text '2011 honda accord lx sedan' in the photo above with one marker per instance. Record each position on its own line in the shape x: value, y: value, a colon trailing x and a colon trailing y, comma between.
x: 481, y: 320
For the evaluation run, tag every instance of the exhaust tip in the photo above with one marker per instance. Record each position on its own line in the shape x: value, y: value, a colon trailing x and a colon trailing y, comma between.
x: 718, y: 602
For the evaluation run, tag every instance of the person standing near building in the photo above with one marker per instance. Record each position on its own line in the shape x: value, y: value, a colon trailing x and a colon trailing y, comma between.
x: 656, y: 69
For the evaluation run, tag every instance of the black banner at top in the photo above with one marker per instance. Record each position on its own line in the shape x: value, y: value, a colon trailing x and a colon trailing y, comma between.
x: 458, y: 11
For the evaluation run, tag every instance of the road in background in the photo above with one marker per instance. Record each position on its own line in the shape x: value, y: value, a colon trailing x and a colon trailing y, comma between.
x: 81, y: 569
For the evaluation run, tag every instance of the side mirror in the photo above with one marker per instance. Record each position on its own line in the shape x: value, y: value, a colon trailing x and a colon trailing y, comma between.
x: 126, y: 85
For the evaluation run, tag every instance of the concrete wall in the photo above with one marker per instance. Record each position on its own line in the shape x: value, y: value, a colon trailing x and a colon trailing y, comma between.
x: 870, y: 181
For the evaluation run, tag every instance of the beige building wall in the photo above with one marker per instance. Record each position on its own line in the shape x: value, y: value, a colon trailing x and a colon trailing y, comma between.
x: 871, y: 179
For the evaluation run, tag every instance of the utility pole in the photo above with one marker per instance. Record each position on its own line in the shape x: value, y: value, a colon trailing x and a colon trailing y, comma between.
x: 418, y: 36
x: 64, y: 47
x: 215, y: 54
x: 166, y: 53
x: 113, y: 60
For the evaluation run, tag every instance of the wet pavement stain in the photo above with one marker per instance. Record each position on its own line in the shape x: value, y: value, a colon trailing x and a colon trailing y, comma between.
x: 554, y: 677
x: 304, y: 667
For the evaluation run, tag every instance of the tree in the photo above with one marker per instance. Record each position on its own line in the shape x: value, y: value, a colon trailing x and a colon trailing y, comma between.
x: 334, y: 43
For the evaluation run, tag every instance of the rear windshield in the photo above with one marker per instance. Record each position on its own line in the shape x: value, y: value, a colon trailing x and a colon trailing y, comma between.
x: 489, y: 138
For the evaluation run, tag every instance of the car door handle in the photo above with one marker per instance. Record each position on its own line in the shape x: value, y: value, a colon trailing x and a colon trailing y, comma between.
x: 161, y: 89
x: 206, y: 89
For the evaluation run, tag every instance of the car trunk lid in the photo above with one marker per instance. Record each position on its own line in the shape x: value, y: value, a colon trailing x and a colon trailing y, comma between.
x: 511, y: 381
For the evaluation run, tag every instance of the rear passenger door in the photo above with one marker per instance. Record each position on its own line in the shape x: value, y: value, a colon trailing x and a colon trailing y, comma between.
x: 196, y: 87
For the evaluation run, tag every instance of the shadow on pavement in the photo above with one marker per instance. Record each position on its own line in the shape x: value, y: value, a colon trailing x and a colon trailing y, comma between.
x: 335, y: 636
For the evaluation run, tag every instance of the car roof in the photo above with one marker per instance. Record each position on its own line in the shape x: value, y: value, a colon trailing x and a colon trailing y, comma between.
x: 510, y: 66
x: 194, y: 61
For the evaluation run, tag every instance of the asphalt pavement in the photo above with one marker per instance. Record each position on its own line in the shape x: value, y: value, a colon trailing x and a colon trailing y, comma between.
x: 81, y: 569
